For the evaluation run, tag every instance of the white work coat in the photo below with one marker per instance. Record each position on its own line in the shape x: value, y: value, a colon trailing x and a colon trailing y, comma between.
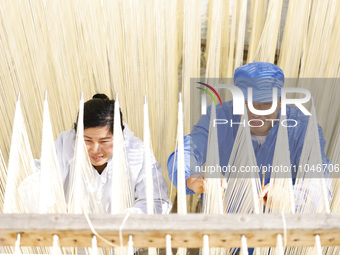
x: 134, y: 149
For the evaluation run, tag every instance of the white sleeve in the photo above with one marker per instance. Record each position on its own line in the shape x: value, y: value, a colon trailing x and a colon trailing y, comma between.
x: 64, y: 145
x: 160, y: 190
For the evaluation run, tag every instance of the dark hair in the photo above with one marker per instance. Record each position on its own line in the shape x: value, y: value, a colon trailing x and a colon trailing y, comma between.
x: 99, y: 112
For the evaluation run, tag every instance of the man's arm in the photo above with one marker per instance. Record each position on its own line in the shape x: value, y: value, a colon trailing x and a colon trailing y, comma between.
x: 195, y: 148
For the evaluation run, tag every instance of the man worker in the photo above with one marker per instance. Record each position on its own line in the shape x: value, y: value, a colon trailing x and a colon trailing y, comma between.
x: 262, y: 77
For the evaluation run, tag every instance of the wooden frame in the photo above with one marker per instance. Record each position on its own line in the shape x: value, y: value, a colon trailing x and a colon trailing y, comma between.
x: 185, y: 230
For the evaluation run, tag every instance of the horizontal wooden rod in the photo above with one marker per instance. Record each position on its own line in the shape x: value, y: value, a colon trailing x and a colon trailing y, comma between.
x: 185, y: 230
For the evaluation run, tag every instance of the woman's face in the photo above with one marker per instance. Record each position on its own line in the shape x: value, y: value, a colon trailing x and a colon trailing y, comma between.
x: 99, y: 144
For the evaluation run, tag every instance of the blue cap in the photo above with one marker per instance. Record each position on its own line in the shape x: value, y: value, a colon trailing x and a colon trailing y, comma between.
x: 262, y: 77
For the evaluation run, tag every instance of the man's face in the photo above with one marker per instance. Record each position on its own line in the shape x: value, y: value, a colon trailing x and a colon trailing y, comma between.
x: 99, y: 144
x: 258, y: 127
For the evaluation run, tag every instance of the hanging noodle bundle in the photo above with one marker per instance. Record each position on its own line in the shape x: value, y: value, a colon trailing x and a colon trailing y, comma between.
x: 281, y: 195
x: 191, y: 64
x: 20, y: 164
x: 121, y: 198
x: 42, y: 192
x: 212, y: 198
x: 181, y: 186
x: 266, y: 49
x: 297, y: 24
x: 241, y: 34
x: 214, y: 43
x: 245, y: 185
x: 280, y: 198
x: 191, y: 58
x: 82, y: 195
x: 242, y: 188
x: 3, y: 173
x: 257, y: 19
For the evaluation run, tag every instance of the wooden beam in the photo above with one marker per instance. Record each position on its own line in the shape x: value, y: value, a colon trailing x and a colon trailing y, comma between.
x: 186, y: 230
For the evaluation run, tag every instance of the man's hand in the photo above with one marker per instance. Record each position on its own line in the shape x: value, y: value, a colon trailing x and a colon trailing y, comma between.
x: 195, y: 182
x: 264, y: 193
x: 278, y: 196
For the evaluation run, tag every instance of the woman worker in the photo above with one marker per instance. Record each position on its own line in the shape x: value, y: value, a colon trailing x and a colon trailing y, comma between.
x: 98, y: 137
